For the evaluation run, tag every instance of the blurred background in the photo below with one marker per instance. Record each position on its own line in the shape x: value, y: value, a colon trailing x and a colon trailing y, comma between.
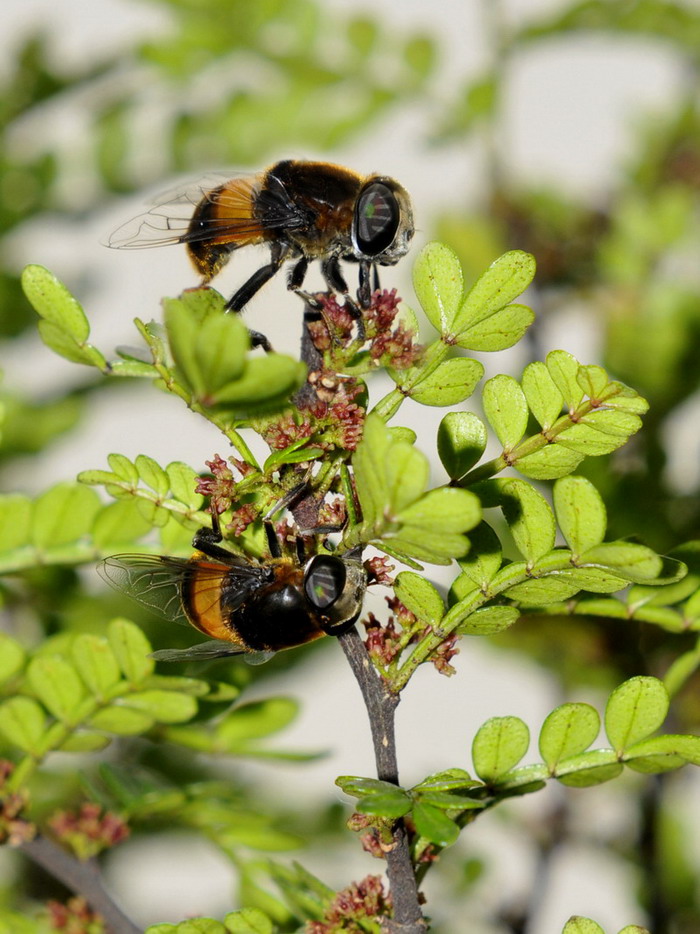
x: 570, y: 130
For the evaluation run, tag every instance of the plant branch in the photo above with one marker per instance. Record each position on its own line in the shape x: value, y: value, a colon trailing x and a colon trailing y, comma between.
x: 381, y: 704
x: 83, y: 878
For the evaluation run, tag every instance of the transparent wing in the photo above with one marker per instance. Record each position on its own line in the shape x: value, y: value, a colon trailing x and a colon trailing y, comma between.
x: 205, y: 651
x: 155, y: 581
x: 236, y: 217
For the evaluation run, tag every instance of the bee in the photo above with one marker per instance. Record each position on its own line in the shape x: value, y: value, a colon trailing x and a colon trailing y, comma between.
x: 246, y: 607
x: 303, y: 211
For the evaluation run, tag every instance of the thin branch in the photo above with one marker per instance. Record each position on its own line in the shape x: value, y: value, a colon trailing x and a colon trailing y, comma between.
x: 381, y: 705
x: 83, y: 878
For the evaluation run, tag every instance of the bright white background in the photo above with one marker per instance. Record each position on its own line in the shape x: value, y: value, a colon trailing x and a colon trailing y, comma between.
x: 570, y: 114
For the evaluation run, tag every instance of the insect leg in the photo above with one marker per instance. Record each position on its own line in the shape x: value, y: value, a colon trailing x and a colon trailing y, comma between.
x: 364, y: 292
x: 297, y: 275
x: 376, y: 286
x: 333, y: 275
x: 278, y: 253
x: 273, y: 542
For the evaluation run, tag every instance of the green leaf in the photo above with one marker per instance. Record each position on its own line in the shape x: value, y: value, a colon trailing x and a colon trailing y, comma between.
x: 443, y: 510
x: 549, y: 462
x: 593, y: 380
x: 529, y: 518
x: 52, y: 300
x: 391, y: 804
x: 64, y: 345
x: 542, y: 591
x: 451, y: 382
x: 438, y: 284
x: 248, y: 921
x: 15, y: 521
x: 563, y: 368
x: 488, y: 620
x: 220, y: 351
x: 265, y: 380
x: 22, y: 723
x: 163, y: 706
x: 672, y: 746
x: 152, y: 475
x: 588, y: 768
x: 453, y: 779
x: 57, y: 685
x: 434, y: 825
x: 118, y: 524
x: 501, y: 330
x: 542, y: 395
x: 183, y: 480
x: 12, y: 657
x: 85, y: 741
x: 504, y: 280
x: 406, y: 476
x: 461, y: 441
x: 63, y: 514
x: 96, y: 663
x: 506, y: 409
x: 568, y: 730
x: 124, y: 721
x: 580, y: 513
x: 578, y: 925
x: 498, y: 746
x: 419, y: 595
x: 256, y: 719
x: 123, y: 468
x: 483, y: 560
x: 369, y: 462
x: 131, y: 649
x: 634, y: 710
x: 633, y: 562
x: 358, y: 787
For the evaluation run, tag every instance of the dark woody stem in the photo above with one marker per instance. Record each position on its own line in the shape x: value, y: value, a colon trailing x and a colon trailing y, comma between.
x: 381, y: 704
x: 83, y: 878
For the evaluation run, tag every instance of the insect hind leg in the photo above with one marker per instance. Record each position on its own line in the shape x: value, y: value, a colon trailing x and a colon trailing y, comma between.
x: 240, y: 298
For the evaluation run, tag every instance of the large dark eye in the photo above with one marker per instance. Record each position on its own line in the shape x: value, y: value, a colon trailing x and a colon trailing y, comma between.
x: 324, y: 581
x: 376, y: 219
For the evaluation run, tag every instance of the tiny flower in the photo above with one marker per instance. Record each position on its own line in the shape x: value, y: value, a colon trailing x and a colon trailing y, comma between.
x: 14, y: 827
x: 88, y: 831
x: 75, y: 917
x: 379, y: 571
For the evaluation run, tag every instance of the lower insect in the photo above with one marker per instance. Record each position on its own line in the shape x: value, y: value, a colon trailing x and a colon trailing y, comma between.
x: 245, y: 606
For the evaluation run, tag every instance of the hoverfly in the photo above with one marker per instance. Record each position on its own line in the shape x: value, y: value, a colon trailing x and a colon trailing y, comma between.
x: 244, y: 605
x: 303, y: 211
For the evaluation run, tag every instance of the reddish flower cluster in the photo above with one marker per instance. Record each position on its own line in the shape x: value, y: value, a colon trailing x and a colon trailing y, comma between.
x: 361, y: 901
x: 89, y: 831
x: 387, y: 345
x: 288, y: 429
x: 382, y: 641
x: 391, y: 347
x: 444, y: 653
x: 14, y: 828
x: 75, y: 917
x: 338, y: 417
x: 220, y: 487
x: 379, y: 571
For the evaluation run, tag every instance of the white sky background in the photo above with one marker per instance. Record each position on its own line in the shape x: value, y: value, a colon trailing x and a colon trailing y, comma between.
x: 569, y: 117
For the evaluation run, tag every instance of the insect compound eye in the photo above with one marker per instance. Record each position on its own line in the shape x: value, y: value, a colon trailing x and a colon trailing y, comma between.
x: 324, y: 581
x: 376, y: 219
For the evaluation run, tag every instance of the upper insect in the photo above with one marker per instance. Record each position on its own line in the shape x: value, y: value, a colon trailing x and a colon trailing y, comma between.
x: 303, y: 210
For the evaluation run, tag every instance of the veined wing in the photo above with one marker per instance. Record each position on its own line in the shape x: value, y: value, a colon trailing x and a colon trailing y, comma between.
x: 206, y: 651
x: 239, y: 214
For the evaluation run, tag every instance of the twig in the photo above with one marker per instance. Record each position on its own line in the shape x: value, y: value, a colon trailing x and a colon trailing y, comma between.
x: 83, y: 878
x: 381, y: 705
